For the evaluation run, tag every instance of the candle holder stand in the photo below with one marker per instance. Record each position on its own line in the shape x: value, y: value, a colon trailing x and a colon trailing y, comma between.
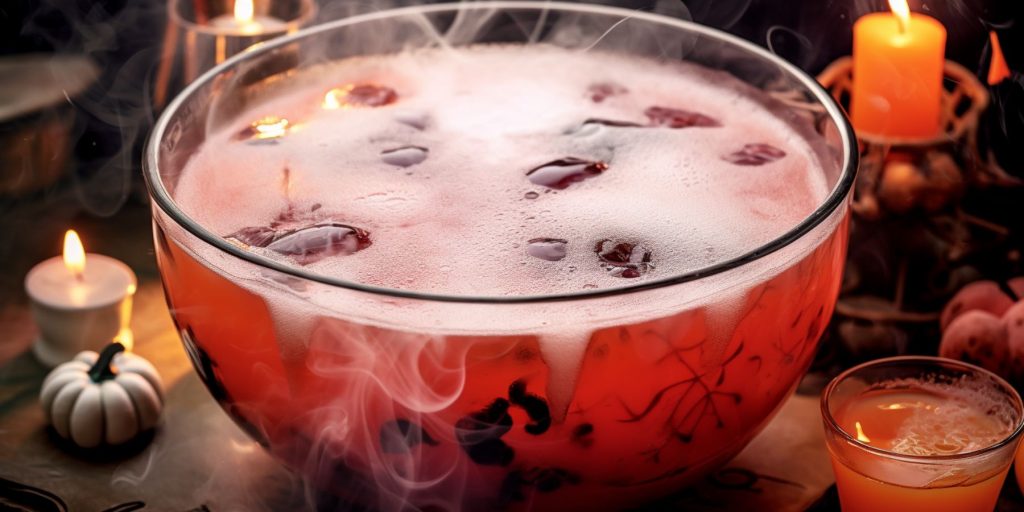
x: 925, y: 222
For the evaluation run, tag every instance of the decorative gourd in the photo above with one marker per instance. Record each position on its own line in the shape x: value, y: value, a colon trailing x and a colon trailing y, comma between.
x: 986, y: 295
x: 103, y: 399
x: 984, y: 324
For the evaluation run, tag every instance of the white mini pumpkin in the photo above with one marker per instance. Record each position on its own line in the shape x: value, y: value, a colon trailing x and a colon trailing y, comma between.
x: 105, y: 398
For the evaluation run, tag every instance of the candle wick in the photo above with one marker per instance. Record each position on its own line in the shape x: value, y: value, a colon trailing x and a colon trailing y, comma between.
x: 80, y: 277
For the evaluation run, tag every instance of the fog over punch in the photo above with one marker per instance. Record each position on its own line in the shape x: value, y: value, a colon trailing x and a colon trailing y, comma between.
x: 429, y: 173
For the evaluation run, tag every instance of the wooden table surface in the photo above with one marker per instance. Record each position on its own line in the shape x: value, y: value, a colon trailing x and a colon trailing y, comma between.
x: 198, y: 459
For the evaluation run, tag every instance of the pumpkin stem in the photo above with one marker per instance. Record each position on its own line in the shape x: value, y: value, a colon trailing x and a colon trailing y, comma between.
x: 102, y: 370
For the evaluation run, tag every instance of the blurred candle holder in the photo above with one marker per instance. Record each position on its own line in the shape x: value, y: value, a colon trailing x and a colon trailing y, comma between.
x: 204, y: 33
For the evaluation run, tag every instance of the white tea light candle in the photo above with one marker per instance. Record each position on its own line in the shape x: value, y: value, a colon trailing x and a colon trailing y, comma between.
x: 79, y: 301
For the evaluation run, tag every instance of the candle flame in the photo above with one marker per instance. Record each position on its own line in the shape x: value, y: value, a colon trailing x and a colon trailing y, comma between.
x: 860, y: 433
x: 902, y: 12
x: 998, y: 70
x: 898, y: 406
x: 331, y: 99
x: 74, y: 254
x: 243, y: 10
x: 334, y: 99
x: 126, y: 337
x: 270, y: 127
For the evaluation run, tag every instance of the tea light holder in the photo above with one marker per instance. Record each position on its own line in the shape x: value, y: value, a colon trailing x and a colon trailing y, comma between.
x: 203, y: 33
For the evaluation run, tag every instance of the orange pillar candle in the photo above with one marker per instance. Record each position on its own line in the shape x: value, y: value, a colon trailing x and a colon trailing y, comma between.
x: 898, y: 59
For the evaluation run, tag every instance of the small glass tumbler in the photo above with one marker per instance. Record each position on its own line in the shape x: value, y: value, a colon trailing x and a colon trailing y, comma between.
x: 920, y: 434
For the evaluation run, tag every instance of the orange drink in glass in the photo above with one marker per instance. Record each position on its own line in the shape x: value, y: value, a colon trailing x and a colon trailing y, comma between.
x: 1018, y: 469
x: 920, y: 434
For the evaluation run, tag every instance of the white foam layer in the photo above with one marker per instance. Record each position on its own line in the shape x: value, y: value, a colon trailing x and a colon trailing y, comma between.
x: 965, y: 416
x: 458, y: 222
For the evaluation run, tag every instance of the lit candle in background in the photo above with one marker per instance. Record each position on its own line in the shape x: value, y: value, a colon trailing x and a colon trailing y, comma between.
x: 245, y: 21
x: 79, y: 301
x: 898, y: 61
x: 74, y: 255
